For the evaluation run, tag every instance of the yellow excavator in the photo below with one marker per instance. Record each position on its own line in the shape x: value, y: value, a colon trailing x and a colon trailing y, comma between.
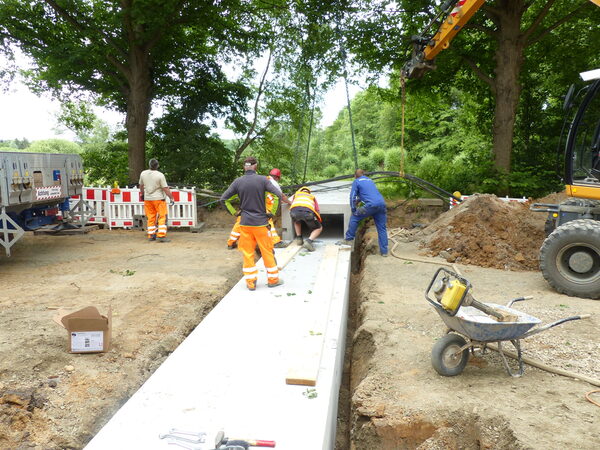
x: 570, y: 255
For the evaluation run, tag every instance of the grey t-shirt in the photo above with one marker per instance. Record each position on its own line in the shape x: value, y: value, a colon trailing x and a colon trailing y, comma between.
x: 251, y: 189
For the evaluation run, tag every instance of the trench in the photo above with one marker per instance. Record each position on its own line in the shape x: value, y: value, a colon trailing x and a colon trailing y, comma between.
x: 362, y: 429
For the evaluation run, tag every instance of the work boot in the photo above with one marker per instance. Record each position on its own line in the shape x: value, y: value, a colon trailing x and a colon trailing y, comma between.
x: 232, y: 246
x: 298, y: 240
x: 385, y: 255
x: 279, y: 283
x: 152, y: 238
x: 164, y: 239
x: 308, y: 245
x: 280, y: 244
x: 344, y: 242
x: 251, y: 285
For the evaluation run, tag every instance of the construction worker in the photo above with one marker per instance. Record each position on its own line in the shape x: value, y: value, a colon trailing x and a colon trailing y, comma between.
x: 272, y: 204
x: 254, y: 221
x: 305, y: 209
x: 154, y: 189
x: 367, y: 201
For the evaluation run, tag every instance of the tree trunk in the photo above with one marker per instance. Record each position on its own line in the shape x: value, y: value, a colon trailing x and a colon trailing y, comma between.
x: 138, y: 111
x: 509, y: 60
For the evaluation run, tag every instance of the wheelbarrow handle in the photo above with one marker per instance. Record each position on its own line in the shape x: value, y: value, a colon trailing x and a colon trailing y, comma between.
x: 553, y: 324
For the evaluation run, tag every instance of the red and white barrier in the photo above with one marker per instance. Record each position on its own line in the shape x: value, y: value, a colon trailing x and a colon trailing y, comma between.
x: 123, y: 206
x: 184, y: 212
x: 117, y: 210
x: 454, y: 202
x: 97, y: 199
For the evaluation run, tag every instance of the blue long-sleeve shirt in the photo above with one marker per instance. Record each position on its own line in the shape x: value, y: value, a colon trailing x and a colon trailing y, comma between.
x: 364, y: 190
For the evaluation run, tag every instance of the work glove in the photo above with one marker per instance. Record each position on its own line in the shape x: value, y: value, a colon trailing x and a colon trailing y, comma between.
x: 360, y: 211
x: 172, y: 202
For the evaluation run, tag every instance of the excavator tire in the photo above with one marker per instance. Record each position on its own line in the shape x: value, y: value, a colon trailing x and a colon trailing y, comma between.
x: 570, y: 258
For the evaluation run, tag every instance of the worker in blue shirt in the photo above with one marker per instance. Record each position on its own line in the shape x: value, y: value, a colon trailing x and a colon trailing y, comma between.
x: 367, y: 201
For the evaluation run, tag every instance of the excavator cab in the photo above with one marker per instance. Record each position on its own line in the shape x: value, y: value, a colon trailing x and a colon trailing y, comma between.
x: 570, y: 255
x: 582, y: 151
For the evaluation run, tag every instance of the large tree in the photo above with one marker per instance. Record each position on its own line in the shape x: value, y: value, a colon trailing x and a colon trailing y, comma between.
x: 132, y: 53
x: 494, y: 46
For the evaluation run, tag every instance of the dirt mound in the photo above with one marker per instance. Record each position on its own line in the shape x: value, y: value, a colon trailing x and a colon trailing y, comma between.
x: 487, y: 232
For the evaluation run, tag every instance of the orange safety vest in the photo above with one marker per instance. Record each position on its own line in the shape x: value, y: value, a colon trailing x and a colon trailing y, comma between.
x: 306, y: 200
x: 270, y: 200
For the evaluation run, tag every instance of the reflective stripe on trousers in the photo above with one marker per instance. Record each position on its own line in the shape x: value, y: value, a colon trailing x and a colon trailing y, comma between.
x: 249, y: 238
x: 156, y: 209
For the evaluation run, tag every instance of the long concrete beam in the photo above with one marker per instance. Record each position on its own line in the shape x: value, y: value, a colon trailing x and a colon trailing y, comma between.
x: 230, y: 373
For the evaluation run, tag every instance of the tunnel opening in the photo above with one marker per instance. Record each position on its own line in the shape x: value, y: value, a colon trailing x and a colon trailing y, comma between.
x: 333, y: 227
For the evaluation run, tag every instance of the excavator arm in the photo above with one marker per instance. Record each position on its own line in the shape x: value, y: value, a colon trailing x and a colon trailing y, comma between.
x: 454, y: 14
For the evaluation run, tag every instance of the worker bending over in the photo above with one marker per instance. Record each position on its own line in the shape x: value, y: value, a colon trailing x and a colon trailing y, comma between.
x: 272, y: 204
x: 254, y: 221
x: 305, y: 208
x: 367, y: 201
x: 154, y: 189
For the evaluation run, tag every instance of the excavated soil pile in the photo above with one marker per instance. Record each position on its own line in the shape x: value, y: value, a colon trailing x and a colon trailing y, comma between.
x: 487, y: 232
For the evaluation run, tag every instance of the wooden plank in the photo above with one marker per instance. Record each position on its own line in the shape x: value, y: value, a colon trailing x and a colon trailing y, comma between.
x: 306, y: 358
x: 66, y: 231
x: 285, y: 255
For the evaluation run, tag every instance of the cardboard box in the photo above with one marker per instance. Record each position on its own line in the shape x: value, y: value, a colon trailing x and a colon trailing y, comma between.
x: 88, y: 330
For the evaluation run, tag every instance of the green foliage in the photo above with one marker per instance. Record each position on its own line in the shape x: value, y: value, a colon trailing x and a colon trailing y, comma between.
x: 105, y: 163
x: 54, y: 146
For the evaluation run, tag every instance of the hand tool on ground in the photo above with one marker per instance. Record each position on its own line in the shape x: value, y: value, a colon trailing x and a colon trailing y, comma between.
x: 193, y: 437
x: 222, y: 442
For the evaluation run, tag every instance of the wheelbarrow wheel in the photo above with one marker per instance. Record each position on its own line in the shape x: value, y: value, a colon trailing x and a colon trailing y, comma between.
x: 446, y: 357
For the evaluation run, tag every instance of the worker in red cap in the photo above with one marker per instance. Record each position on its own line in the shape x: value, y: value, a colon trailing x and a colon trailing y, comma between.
x: 272, y: 204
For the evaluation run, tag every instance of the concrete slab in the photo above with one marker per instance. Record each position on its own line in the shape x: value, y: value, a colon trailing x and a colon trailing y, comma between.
x: 229, y: 374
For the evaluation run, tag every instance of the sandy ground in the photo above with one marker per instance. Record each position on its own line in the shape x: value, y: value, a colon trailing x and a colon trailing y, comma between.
x: 50, y: 399
x: 399, y: 401
x: 158, y: 293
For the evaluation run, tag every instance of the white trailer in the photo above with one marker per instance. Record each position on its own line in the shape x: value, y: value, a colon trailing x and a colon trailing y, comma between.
x: 34, y: 187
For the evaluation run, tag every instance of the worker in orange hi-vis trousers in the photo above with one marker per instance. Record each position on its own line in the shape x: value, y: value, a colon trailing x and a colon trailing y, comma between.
x: 272, y: 204
x: 254, y: 222
x: 154, y: 189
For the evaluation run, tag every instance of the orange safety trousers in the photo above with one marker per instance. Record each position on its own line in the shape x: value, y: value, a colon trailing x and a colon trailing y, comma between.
x: 249, y: 238
x: 234, y: 235
x: 156, y: 209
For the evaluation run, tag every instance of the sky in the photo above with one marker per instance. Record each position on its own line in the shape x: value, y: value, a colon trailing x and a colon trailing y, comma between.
x: 25, y: 115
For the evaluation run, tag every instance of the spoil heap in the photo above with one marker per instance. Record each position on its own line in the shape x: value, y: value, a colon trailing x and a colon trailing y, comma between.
x: 487, y: 232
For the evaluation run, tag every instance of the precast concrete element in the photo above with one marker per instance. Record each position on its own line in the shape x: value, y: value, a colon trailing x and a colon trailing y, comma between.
x: 333, y: 199
x: 230, y: 373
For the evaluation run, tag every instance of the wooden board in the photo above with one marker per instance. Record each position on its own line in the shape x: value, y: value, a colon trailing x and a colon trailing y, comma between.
x: 285, y: 255
x: 306, y: 357
x: 65, y: 232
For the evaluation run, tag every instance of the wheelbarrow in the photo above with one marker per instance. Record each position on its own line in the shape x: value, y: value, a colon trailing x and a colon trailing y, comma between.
x: 473, y: 325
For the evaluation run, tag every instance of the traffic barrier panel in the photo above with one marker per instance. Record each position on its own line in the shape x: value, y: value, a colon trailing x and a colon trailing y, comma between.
x: 97, y: 198
x: 117, y: 210
x: 184, y: 212
x: 128, y: 203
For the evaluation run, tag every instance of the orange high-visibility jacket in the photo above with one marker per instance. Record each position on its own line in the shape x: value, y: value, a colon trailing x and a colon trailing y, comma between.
x: 306, y: 200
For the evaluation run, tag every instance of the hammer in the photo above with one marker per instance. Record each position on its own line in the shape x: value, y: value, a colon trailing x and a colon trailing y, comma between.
x: 222, y: 442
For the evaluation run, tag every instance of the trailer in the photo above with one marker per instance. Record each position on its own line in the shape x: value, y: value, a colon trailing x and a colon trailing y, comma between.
x: 34, y: 191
